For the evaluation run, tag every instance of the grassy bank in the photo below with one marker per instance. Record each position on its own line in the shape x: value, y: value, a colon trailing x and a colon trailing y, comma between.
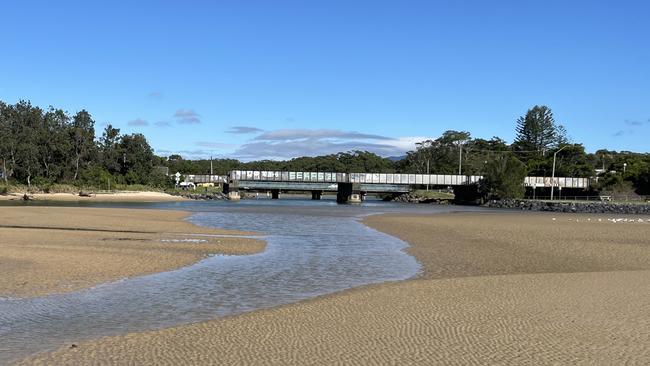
x: 70, y: 188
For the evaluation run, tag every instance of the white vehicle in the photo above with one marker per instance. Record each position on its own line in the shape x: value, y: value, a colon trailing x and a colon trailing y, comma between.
x: 187, y: 185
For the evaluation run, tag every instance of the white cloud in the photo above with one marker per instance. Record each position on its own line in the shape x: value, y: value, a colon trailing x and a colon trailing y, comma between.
x: 138, y: 122
x: 243, y: 130
x: 292, y: 143
x: 296, y: 134
x: 408, y: 143
x: 187, y: 116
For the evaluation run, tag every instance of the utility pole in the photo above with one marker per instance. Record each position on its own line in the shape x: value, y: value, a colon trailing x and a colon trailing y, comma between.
x: 428, y: 178
x: 460, y: 157
x: 553, y: 175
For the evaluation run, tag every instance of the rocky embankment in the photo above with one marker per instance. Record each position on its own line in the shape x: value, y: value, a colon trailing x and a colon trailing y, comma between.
x: 202, y: 196
x: 577, y: 207
x: 414, y: 198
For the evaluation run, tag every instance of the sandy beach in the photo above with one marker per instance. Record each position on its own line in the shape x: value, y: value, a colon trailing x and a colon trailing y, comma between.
x: 47, y: 250
x: 496, y: 288
x: 99, y: 197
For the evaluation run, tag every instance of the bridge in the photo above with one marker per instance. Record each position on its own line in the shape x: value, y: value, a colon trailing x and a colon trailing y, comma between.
x: 350, y: 187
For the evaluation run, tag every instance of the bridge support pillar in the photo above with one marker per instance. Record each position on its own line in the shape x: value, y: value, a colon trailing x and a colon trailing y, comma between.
x: 275, y: 194
x: 231, y: 189
x: 316, y: 195
x: 349, y: 193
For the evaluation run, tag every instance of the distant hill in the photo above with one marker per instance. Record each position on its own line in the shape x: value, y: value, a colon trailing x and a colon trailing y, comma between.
x: 396, y: 158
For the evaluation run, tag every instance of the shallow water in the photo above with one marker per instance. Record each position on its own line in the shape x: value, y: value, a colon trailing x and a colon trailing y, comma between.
x: 313, y: 248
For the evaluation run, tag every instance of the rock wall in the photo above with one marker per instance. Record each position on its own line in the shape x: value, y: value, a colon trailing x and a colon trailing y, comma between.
x: 203, y: 196
x: 414, y: 198
x: 577, y: 207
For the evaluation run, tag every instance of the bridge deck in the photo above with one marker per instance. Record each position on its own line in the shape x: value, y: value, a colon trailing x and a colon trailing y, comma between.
x: 396, y: 178
x: 375, y: 178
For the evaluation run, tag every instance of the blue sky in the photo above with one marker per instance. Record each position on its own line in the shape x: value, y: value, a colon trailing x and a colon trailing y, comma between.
x: 278, y: 79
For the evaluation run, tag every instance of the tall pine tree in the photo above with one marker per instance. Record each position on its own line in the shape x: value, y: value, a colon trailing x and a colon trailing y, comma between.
x: 537, y: 131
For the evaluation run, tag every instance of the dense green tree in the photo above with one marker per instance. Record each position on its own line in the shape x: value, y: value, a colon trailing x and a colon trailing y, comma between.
x: 137, y: 159
x: 51, y: 147
x: 363, y: 162
x: 642, y: 181
x: 504, y: 178
x: 28, y: 121
x: 109, y: 149
x: 6, y: 139
x: 54, y: 145
x: 442, y: 154
x: 353, y: 161
x: 572, y: 161
x: 478, y: 152
x: 82, y: 131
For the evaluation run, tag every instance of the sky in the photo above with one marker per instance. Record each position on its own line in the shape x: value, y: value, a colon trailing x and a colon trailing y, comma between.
x: 280, y: 79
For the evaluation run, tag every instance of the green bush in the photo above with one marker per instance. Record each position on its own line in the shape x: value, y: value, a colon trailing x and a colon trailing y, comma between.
x: 642, y: 183
x: 504, y: 178
x: 95, y: 176
x: 159, y: 180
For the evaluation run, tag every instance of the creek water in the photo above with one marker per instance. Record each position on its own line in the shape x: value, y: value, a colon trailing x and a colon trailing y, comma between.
x: 313, y: 248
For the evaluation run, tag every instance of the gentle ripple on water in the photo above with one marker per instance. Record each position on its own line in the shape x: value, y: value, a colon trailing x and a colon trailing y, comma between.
x: 312, y: 249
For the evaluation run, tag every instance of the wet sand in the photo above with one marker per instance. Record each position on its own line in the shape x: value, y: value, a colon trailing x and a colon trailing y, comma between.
x: 46, y: 250
x: 100, y: 197
x: 499, y: 288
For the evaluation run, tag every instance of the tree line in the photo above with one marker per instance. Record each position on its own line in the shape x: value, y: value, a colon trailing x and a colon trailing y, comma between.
x: 538, y: 137
x: 45, y: 147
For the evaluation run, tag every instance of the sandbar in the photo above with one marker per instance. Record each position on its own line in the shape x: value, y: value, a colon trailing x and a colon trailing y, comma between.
x: 45, y: 250
x: 98, y: 197
x: 495, y: 288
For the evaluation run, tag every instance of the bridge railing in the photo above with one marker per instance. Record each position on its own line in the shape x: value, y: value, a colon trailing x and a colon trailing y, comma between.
x: 372, y: 178
x: 385, y: 178
x: 564, y: 182
x: 203, y: 178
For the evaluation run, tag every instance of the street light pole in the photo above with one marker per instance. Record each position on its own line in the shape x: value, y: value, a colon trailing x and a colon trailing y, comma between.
x: 553, y: 174
x: 428, y: 178
x: 460, y: 157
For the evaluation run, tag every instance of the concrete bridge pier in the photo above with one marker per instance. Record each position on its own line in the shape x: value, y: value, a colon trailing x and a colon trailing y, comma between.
x: 231, y: 189
x: 349, y: 193
x: 275, y: 194
x: 316, y: 195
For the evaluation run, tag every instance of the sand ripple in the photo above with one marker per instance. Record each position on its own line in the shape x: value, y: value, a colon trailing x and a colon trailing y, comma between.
x: 579, y: 318
x: 498, y: 289
x: 46, y: 250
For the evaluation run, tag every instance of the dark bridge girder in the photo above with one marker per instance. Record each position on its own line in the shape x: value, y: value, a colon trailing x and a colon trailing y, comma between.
x: 346, y: 192
x: 324, y: 187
